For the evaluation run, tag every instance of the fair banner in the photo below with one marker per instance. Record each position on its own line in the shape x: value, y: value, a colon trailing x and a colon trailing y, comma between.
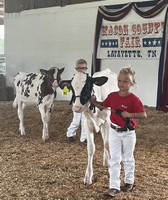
x: 130, y: 40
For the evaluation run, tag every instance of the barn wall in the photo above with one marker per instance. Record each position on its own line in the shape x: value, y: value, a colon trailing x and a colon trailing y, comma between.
x: 58, y: 36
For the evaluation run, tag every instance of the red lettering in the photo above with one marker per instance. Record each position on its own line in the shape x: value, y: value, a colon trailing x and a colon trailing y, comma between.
x: 130, y: 42
x: 156, y: 26
x: 127, y: 43
x: 122, y: 41
x: 150, y: 28
x: 110, y: 30
x: 115, y: 29
x: 120, y: 30
x: 125, y: 32
x: 144, y: 28
x: 104, y: 30
x: 134, y: 29
x: 137, y: 42
x: 123, y: 29
x: 138, y: 29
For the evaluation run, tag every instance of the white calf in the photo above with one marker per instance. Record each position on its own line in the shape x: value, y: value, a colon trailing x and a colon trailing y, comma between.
x: 39, y: 89
x: 83, y: 86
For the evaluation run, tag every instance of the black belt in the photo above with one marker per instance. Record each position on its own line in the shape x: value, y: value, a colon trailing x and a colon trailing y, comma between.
x: 122, y: 129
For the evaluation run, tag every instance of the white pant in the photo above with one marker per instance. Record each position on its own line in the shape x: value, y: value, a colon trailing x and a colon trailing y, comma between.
x: 121, y: 145
x: 76, y: 121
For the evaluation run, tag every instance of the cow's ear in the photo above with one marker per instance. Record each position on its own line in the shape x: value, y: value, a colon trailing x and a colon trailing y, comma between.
x: 43, y: 71
x: 61, y: 70
x: 66, y: 83
x: 99, y: 81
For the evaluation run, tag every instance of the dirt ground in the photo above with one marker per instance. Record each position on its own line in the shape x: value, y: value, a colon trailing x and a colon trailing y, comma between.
x: 33, y: 170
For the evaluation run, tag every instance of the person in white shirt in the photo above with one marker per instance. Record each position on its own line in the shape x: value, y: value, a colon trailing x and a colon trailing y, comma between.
x: 81, y: 66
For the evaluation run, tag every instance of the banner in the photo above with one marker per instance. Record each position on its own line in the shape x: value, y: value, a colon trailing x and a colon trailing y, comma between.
x: 130, y: 40
x: 144, y: 35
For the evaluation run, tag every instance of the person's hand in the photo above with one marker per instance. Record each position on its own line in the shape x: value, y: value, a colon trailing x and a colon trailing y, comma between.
x: 93, y: 99
x: 125, y: 114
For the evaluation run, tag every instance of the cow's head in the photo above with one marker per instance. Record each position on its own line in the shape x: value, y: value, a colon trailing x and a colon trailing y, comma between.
x: 82, y: 88
x: 53, y: 76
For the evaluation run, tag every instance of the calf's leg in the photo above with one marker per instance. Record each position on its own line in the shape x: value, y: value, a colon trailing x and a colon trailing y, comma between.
x: 90, y: 152
x: 104, y: 129
x: 20, y: 111
x: 45, y: 117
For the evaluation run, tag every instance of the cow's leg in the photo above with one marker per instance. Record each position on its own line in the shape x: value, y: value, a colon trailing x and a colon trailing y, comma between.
x: 20, y: 111
x: 45, y: 117
x: 90, y: 152
x: 105, y: 134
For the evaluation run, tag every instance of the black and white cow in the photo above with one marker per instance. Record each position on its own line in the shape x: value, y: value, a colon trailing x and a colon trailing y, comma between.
x: 37, y: 88
x: 83, y: 86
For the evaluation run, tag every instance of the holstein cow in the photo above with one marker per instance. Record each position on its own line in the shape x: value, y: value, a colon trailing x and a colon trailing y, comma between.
x: 100, y: 85
x: 39, y: 89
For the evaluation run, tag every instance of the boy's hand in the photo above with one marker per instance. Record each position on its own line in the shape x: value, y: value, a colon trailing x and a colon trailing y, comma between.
x: 96, y: 103
x: 93, y: 99
x: 125, y: 114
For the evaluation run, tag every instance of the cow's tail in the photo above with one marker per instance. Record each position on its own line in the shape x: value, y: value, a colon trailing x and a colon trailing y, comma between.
x: 15, y: 102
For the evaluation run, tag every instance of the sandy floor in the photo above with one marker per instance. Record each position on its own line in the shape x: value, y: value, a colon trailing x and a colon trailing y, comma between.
x: 33, y: 170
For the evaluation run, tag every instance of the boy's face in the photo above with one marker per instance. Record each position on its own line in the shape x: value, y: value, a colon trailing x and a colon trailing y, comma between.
x: 124, y: 82
x: 81, y: 67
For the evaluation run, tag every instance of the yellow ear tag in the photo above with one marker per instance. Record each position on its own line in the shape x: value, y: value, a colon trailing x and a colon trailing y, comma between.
x: 65, y: 91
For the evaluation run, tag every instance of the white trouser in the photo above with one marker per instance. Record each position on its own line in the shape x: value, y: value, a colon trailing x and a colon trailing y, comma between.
x: 121, y: 145
x: 76, y: 121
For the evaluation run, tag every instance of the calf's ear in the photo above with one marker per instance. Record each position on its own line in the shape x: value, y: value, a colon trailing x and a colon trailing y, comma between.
x: 43, y: 71
x: 99, y: 81
x: 66, y: 83
x: 61, y: 70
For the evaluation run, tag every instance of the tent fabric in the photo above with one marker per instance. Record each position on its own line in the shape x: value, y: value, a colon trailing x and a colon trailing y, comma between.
x: 12, y: 6
x: 147, y: 9
x: 20, y: 5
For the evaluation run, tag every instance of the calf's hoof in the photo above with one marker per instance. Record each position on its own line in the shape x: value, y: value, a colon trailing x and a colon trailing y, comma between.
x: 45, y: 138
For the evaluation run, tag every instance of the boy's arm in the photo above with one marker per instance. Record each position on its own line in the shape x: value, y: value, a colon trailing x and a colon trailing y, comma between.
x: 141, y: 115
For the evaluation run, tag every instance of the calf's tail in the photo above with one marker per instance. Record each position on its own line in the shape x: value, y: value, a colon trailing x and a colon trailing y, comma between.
x: 15, y: 102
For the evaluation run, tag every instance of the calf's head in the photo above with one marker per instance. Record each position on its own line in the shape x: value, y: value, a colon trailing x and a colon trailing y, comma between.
x: 82, y: 88
x: 52, y: 76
